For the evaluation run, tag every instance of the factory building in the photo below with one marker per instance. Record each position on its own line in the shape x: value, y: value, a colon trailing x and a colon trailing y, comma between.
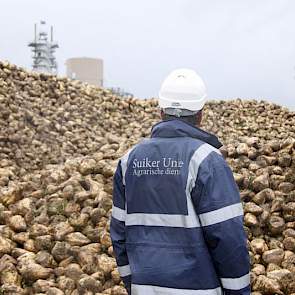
x: 43, y: 49
x: 85, y: 69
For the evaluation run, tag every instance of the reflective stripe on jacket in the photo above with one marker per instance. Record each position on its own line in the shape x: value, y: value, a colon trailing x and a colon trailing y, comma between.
x: 177, y: 218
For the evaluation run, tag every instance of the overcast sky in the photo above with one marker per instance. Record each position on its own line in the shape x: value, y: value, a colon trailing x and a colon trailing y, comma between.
x: 241, y: 48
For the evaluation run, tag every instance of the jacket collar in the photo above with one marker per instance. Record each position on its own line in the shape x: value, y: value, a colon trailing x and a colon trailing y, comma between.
x: 178, y: 128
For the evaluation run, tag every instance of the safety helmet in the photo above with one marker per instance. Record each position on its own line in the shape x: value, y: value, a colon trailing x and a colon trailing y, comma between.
x: 183, y: 89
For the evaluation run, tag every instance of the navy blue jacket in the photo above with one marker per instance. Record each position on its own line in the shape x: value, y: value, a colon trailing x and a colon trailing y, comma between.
x: 177, y: 218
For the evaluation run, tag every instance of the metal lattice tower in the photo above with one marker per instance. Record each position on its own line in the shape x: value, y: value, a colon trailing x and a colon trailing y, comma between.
x: 43, y: 50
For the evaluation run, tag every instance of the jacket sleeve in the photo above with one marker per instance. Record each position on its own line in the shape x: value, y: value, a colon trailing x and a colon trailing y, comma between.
x: 117, y: 228
x: 217, y: 202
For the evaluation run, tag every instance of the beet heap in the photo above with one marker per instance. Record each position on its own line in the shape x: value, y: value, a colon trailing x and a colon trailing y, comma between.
x: 59, y: 145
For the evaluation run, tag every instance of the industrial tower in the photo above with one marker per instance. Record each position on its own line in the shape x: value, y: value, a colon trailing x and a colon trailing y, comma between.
x: 43, y: 50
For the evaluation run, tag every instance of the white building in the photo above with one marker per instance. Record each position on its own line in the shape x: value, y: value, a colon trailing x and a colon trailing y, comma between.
x: 86, y: 69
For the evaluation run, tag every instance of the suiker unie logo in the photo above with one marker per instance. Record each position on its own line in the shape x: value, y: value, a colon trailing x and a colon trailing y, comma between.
x: 166, y: 162
x: 164, y: 166
x: 175, y: 104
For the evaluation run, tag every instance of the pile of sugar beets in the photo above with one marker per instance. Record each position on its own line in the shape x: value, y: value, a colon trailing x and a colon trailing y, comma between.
x: 60, y: 141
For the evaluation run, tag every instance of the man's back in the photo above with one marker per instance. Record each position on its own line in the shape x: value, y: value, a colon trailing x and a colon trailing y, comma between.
x: 177, y: 216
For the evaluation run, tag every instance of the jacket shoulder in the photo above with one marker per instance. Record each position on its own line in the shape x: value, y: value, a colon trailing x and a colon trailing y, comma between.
x: 209, y: 158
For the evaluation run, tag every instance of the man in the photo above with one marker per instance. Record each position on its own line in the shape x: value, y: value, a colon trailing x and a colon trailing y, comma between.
x: 177, y: 218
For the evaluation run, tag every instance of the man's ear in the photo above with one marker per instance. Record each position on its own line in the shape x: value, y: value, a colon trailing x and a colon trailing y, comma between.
x: 162, y: 114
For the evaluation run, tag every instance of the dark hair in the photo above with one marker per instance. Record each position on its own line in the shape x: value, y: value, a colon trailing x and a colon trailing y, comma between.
x: 192, y: 119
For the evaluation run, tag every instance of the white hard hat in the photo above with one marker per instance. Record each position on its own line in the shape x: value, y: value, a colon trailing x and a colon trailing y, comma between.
x: 183, y: 89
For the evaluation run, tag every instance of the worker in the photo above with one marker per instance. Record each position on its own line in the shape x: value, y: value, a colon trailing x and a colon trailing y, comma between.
x: 177, y: 217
